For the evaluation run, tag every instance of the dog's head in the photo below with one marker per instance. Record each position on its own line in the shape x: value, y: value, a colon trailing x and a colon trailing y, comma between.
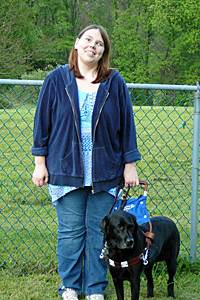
x: 119, y: 230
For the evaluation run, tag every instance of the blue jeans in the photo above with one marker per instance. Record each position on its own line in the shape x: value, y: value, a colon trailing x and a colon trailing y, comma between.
x: 80, y: 240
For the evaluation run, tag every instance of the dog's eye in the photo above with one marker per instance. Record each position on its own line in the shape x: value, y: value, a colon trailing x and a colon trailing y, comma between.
x: 119, y: 226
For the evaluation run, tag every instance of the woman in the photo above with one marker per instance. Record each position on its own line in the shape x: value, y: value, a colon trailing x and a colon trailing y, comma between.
x: 84, y: 146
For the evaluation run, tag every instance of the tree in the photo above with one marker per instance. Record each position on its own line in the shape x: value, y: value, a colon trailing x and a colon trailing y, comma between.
x: 55, y: 19
x: 153, y: 41
x: 17, y: 38
x: 132, y: 37
x: 158, y: 41
x: 177, y: 43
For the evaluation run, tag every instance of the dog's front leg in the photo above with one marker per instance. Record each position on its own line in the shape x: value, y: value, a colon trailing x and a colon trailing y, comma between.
x: 119, y: 287
x: 135, y: 289
x: 150, y: 286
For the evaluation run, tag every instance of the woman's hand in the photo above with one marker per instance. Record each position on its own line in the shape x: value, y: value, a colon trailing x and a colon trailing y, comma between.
x: 40, y: 174
x: 130, y: 175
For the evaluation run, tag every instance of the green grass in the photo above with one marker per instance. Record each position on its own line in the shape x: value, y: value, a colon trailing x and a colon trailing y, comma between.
x: 44, y: 286
x: 28, y: 224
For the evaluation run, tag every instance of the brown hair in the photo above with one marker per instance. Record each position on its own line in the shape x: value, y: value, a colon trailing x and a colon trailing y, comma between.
x: 103, y: 70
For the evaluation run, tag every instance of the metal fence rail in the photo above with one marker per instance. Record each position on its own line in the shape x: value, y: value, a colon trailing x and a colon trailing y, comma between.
x: 167, y: 123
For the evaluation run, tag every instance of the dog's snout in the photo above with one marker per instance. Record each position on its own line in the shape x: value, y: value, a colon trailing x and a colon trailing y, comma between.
x: 129, y: 242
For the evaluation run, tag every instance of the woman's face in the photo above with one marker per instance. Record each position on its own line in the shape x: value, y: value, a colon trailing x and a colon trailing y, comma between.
x: 90, y: 47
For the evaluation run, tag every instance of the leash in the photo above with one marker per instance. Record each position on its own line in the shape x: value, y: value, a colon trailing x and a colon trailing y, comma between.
x: 149, y: 237
x: 121, y: 186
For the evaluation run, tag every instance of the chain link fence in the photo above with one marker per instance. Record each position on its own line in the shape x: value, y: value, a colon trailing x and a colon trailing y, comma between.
x: 164, y: 117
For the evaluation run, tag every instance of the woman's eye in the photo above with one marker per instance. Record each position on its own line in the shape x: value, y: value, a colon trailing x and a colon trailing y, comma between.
x: 99, y: 44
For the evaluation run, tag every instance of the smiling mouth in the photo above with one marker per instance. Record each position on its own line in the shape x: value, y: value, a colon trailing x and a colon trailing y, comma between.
x: 90, y: 52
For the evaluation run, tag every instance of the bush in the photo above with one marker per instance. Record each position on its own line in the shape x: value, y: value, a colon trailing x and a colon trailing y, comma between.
x: 38, y: 74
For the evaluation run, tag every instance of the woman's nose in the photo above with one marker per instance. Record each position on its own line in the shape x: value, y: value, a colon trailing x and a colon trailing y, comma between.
x: 92, y: 44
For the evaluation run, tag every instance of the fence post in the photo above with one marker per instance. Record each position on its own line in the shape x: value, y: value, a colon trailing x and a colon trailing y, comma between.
x: 195, y: 175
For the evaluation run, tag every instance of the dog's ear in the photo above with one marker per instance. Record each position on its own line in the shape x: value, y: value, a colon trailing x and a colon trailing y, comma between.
x: 133, y: 218
x: 103, y: 224
x: 134, y: 222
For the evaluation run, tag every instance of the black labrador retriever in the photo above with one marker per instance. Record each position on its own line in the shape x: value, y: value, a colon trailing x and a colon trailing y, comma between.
x: 126, y: 254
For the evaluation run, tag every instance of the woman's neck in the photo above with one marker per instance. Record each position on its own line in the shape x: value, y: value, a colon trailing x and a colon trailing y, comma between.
x: 88, y: 71
x: 85, y: 84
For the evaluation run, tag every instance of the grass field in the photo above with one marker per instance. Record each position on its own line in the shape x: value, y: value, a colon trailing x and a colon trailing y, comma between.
x: 44, y: 286
x: 28, y: 225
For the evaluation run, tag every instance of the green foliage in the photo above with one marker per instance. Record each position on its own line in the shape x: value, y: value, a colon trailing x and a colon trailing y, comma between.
x: 153, y: 41
x: 176, y: 28
x: 158, y: 42
x: 38, y: 74
x: 18, y: 37
x: 132, y: 41
x: 185, y: 266
x: 55, y: 20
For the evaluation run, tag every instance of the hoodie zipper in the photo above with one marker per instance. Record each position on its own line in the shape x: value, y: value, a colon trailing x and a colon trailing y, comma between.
x: 78, y: 136
x: 94, y: 138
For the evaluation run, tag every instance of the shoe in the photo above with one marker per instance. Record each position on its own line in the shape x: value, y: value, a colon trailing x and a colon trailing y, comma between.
x: 69, y: 294
x: 95, y: 297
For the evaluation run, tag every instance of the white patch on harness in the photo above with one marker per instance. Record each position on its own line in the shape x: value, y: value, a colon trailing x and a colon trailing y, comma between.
x: 124, y: 264
x: 111, y: 262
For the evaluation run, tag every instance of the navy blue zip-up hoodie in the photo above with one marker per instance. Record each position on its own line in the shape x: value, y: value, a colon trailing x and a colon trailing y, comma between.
x: 57, y: 131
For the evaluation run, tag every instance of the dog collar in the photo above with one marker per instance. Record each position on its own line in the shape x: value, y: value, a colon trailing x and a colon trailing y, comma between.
x: 124, y: 264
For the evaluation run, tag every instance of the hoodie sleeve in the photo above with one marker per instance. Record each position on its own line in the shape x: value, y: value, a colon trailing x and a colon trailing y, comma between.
x: 129, y: 140
x: 42, y: 120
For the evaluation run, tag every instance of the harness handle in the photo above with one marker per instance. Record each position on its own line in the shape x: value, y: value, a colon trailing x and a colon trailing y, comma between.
x: 121, y: 187
x: 145, y: 184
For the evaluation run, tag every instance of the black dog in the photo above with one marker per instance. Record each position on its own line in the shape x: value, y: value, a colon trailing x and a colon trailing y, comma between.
x: 124, y: 251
